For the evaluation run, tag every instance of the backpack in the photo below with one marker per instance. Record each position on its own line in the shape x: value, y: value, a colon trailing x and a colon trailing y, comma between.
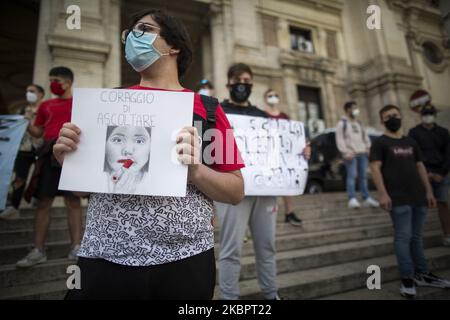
x: 344, y: 129
x: 210, y: 104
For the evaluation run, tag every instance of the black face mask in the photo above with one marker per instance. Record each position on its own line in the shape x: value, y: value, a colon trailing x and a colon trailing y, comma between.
x: 240, y: 91
x: 393, y: 124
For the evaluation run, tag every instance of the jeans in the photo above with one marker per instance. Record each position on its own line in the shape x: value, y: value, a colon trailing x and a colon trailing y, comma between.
x: 357, y: 167
x: 440, y: 190
x: 408, y: 224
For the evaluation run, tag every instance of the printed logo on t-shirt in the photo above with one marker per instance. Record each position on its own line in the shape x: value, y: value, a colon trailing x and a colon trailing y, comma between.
x: 402, y: 151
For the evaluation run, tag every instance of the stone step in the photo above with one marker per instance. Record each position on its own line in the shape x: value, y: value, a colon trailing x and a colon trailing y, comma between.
x: 290, y: 241
x: 330, y: 223
x: 11, y: 254
x: 25, y: 236
x: 323, y: 212
x: 60, y: 220
x: 390, y: 291
x: 287, y: 261
x: 59, y: 216
x: 51, y: 270
x: 50, y: 290
x: 310, y: 284
x: 60, y: 233
x: 328, y: 201
x: 325, y: 281
x: 298, y: 240
x: 321, y: 256
x: 28, y: 223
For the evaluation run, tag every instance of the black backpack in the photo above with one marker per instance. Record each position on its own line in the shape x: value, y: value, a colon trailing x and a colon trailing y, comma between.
x: 210, y: 104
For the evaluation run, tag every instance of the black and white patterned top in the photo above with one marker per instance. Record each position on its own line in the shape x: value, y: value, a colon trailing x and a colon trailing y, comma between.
x: 145, y: 230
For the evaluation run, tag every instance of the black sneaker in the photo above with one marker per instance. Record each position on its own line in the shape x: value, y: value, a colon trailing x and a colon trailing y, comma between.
x: 293, y: 219
x: 431, y: 280
x: 407, y: 288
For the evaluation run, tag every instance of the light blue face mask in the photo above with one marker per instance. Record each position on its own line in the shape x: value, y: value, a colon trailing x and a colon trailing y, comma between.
x: 140, y: 52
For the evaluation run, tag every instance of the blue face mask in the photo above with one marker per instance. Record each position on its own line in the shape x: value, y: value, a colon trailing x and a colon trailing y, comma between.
x: 140, y: 52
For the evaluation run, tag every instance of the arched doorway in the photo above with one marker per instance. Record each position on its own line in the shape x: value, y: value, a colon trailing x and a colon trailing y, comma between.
x: 18, y: 34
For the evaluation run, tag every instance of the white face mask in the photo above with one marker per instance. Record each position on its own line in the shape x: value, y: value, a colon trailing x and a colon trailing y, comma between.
x: 429, y: 119
x: 204, y: 92
x: 355, y: 112
x: 273, y: 100
x: 31, y: 97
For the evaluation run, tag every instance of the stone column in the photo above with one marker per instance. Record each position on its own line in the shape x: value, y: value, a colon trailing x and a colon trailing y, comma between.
x: 290, y: 92
x: 331, y: 110
x: 92, y: 52
x: 445, y: 9
x: 220, y: 47
x: 207, y: 58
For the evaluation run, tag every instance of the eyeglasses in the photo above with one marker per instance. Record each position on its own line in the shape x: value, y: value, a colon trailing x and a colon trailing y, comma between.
x: 139, y: 30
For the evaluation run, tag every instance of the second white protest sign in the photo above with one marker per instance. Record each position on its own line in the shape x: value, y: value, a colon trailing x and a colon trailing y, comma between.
x: 272, y: 153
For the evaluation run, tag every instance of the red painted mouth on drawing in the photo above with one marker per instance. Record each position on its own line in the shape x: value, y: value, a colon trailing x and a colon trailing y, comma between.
x: 126, y: 163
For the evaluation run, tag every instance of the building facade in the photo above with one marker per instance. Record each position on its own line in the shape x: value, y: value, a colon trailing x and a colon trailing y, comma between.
x: 316, y: 53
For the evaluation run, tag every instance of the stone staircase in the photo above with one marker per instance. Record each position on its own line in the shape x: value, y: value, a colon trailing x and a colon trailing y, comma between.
x: 326, y: 258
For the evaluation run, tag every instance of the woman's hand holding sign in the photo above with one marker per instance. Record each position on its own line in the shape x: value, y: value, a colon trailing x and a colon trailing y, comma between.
x: 69, y: 137
x: 189, y: 150
x: 307, y: 151
x: 227, y: 187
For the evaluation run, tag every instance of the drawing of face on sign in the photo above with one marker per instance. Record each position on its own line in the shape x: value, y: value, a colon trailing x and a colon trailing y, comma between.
x: 127, y: 156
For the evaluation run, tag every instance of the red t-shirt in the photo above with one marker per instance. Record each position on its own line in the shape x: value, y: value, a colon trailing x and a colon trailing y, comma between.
x: 52, y: 114
x: 282, y: 115
x: 221, y: 124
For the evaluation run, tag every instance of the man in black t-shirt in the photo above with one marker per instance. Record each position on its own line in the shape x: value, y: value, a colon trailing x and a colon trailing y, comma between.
x: 401, y: 179
x: 434, y: 141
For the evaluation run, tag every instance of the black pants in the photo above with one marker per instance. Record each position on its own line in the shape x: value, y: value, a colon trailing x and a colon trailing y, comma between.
x: 22, y: 166
x: 192, y: 278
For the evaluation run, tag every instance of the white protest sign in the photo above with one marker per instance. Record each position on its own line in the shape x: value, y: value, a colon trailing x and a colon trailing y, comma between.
x: 127, y: 142
x: 272, y: 153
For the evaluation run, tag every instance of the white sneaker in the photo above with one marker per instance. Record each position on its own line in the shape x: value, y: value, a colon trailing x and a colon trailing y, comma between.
x: 34, y: 257
x: 10, y: 213
x: 407, y: 288
x: 371, y: 203
x: 354, y: 203
x: 73, y: 254
x: 446, y: 241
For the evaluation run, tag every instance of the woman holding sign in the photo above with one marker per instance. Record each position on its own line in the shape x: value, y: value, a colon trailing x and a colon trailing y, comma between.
x: 167, y: 251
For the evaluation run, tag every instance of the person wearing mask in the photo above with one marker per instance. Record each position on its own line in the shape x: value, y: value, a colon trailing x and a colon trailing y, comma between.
x: 405, y: 192
x: 168, y: 254
x: 434, y: 141
x: 272, y: 101
x: 27, y: 152
x: 206, y: 88
x: 259, y: 213
x: 353, y: 143
x: 50, y: 117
